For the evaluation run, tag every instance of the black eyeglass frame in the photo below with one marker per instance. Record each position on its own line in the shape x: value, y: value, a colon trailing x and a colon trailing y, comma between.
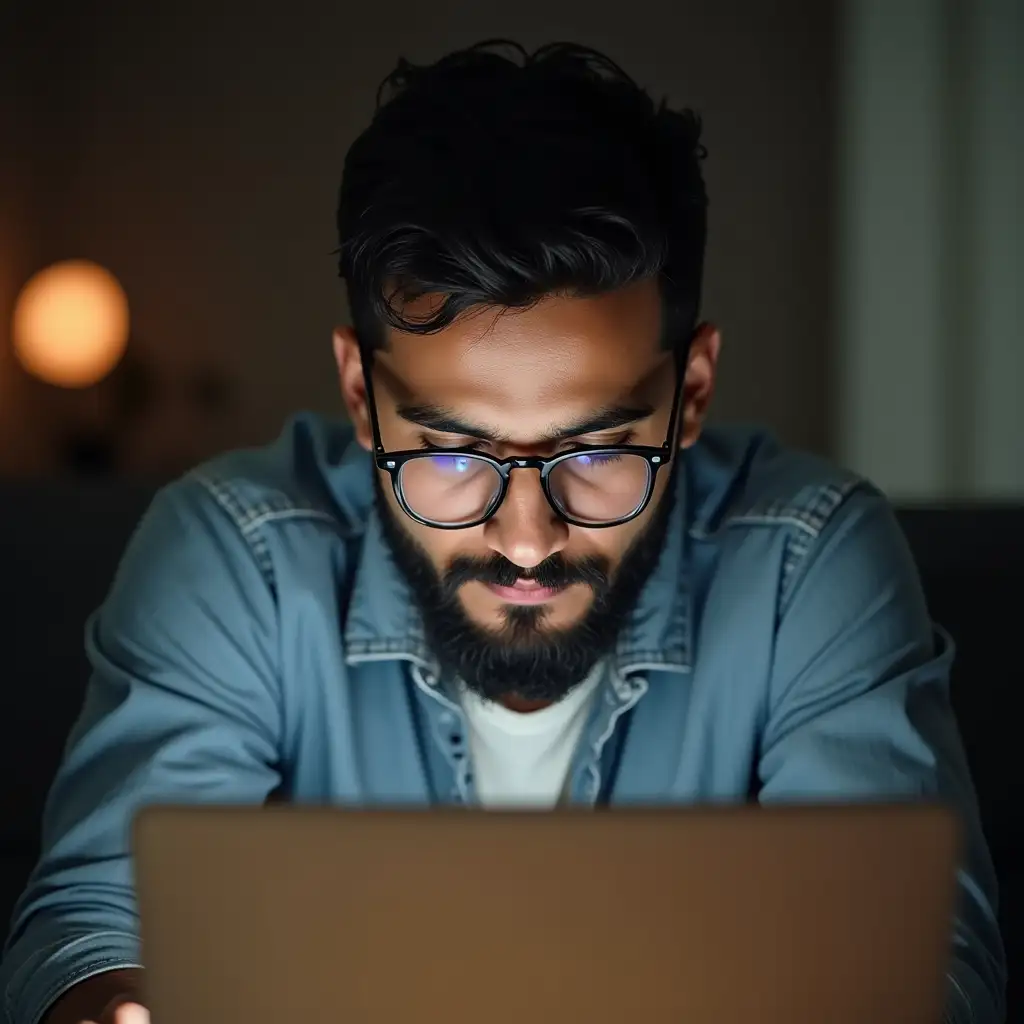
x: 656, y: 457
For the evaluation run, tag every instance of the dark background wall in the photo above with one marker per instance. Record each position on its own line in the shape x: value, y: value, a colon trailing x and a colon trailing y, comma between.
x: 195, y: 150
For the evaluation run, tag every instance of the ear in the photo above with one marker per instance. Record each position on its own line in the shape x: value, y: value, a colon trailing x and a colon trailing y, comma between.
x: 349, y: 360
x: 699, y: 383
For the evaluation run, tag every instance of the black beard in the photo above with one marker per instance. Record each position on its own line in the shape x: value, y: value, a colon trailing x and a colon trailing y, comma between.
x: 521, y: 658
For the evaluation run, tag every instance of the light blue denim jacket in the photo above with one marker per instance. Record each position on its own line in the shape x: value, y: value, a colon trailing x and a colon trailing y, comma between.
x: 258, y: 640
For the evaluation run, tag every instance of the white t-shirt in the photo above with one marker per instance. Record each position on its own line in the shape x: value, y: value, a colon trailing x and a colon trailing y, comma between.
x: 522, y: 760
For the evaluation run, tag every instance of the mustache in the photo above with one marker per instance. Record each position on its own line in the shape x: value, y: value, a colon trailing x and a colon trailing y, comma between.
x: 555, y: 572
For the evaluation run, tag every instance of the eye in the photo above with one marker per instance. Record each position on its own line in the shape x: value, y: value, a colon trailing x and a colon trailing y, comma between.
x: 597, y: 460
x: 621, y: 440
x: 436, y: 444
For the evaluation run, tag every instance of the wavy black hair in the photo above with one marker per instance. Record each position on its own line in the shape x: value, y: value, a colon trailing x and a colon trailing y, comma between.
x: 496, y: 176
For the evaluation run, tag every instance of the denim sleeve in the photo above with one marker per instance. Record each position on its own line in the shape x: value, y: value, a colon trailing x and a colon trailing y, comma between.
x: 181, y: 707
x: 860, y: 709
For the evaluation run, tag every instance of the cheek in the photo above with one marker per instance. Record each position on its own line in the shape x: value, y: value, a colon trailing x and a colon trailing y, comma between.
x: 613, y: 543
x: 609, y: 545
x: 441, y: 546
x: 436, y: 544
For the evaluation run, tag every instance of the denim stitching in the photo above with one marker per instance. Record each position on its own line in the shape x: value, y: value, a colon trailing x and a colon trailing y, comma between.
x: 963, y: 994
x: 625, y: 694
x: 808, y: 517
x: 798, y: 544
x: 250, y: 518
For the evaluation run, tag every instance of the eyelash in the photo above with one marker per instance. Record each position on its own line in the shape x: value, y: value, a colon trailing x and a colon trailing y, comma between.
x: 425, y: 442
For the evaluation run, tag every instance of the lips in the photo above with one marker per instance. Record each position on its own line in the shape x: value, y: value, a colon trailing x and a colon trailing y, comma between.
x: 524, y: 592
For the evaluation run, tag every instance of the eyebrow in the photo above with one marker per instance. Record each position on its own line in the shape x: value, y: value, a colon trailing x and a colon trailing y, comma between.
x: 442, y: 421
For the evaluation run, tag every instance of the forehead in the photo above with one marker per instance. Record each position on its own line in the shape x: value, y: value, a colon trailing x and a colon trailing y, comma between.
x: 565, y: 351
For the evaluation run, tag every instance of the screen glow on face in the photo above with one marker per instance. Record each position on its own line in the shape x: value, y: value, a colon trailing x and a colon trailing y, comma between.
x: 453, y: 463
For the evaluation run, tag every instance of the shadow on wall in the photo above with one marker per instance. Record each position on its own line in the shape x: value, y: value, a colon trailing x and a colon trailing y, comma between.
x: 138, y: 421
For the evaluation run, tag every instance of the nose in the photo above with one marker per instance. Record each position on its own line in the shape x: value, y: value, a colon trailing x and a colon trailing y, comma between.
x: 525, y: 529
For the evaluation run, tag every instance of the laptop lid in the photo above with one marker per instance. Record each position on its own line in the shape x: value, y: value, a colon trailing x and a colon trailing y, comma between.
x: 711, y: 916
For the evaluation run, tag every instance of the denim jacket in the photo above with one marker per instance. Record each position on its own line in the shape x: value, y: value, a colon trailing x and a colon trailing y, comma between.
x: 258, y: 641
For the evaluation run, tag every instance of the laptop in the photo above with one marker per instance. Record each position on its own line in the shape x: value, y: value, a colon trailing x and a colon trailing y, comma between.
x: 795, y: 915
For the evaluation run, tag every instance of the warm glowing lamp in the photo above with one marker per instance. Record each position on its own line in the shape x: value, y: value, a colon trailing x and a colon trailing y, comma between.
x: 70, y: 324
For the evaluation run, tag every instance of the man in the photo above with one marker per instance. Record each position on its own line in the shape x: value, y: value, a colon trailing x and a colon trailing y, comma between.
x: 525, y: 575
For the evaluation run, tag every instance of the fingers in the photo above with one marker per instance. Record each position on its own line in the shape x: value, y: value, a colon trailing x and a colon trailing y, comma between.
x: 131, y: 1013
x: 126, y: 1013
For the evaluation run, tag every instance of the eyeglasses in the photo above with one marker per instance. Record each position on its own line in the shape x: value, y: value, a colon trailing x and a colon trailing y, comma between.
x: 591, y: 486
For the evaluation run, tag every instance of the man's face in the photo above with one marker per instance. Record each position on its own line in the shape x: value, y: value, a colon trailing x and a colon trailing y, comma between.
x: 525, y: 603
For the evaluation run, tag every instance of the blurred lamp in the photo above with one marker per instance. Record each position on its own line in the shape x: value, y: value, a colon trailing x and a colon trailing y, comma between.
x: 70, y: 324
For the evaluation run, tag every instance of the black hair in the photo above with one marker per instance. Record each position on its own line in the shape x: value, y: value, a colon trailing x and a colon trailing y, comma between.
x: 495, y: 176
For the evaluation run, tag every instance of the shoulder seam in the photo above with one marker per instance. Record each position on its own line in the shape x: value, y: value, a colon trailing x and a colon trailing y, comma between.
x: 809, y: 516
x: 249, y: 519
x: 829, y: 498
x: 228, y: 500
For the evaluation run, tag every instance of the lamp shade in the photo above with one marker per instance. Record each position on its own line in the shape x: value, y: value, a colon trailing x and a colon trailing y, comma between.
x: 70, y: 325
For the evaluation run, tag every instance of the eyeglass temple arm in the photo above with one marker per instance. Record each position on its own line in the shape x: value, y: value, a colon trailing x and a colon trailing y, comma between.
x: 680, y: 361
x: 366, y: 358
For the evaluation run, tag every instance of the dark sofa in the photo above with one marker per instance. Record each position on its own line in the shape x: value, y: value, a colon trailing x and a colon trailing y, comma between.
x: 59, y: 543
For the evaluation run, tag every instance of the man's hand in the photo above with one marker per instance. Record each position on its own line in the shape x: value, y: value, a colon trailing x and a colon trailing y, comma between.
x: 113, y: 997
x: 126, y: 1013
